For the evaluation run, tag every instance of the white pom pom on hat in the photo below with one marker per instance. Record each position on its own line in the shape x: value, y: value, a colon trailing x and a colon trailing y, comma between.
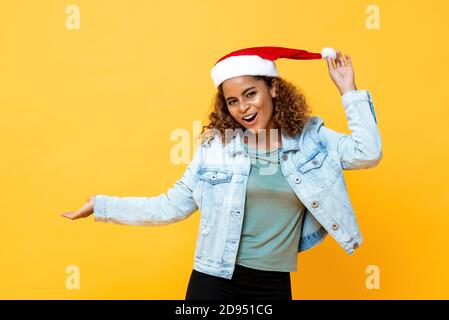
x: 260, y: 61
x: 328, y: 52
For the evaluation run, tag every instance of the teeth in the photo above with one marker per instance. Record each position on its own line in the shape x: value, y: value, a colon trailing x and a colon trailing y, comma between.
x: 247, y: 117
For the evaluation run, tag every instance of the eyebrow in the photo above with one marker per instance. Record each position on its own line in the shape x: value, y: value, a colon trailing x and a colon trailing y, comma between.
x: 242, y: 92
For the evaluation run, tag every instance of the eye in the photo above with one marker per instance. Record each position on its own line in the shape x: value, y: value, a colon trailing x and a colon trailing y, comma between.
x: 248, y: 95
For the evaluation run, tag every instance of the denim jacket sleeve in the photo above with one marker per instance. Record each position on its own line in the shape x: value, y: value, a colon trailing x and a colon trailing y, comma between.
x: 363, y: 147
x: 172, y: 206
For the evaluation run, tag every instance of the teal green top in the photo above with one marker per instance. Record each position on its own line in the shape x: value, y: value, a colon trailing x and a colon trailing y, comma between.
x: 272, y: 218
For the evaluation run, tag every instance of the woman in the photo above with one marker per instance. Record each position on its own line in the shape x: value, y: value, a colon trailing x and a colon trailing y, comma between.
x: 267, y: 178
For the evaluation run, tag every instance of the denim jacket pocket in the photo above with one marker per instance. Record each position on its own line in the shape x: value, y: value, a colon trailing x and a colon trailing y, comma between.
x: 320, y: 168
x: 315, y: 161
x: 214, y: 186
x: 214, y: 176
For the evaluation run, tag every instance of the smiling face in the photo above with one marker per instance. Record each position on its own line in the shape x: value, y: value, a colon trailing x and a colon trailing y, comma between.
x: 247, y: 96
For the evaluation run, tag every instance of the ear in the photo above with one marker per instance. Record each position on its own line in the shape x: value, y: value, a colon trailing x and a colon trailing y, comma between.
x: 273, y: 88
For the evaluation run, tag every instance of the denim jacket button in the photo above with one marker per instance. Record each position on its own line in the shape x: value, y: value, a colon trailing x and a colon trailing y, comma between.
x: 314, y: 204
x: 298, y: 180
x: 356, y: 245
x: 334, y: 226
x: 284, y: 157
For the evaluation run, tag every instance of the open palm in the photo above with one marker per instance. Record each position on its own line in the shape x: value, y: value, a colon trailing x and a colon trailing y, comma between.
x: 86, y: 210
x: 342, y: 73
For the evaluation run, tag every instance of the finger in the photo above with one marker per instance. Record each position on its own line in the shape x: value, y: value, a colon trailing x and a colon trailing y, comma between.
x: 343, y: 61
x: 67, y: 215
x: 73, y: 215
x: 330, y: 64
x: 348, y: 60
x: 337, y: 61
x: 340, y: 59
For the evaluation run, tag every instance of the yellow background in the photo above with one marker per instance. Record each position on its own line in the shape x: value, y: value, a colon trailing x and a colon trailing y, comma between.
x: 91, y: 110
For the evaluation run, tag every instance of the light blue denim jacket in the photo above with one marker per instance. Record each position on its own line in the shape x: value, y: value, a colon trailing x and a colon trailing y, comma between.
x: 216, y: 178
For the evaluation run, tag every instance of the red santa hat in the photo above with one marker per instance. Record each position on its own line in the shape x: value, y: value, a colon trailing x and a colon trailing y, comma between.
x: 260, y: 61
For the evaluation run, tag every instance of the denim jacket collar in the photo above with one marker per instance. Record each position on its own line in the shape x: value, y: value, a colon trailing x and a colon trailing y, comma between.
x: 236, y: 144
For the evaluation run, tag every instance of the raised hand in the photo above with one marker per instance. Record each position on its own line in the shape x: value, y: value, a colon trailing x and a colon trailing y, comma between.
x: 342, y: 73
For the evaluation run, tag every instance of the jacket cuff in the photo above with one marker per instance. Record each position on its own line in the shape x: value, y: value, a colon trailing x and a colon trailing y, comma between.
x: 100, y: 213
x: 355, y: 95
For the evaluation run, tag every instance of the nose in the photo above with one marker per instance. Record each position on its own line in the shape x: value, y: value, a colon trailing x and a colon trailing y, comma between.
x: 243, y: 107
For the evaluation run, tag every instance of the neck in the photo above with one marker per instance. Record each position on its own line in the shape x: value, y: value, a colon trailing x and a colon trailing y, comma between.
x: 268, y: 139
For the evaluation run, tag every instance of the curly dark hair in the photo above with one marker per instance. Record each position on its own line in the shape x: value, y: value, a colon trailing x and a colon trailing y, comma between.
x: 290, y: 111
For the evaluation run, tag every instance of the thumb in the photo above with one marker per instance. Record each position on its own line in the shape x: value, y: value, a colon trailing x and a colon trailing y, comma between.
x: 330, y: 64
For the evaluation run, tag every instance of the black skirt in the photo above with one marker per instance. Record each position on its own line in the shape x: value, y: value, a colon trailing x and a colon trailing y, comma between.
x: 246, y: 283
